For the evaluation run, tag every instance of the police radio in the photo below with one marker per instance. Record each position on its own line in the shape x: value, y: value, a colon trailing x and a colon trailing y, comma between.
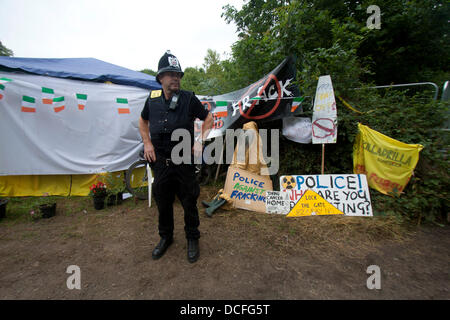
x: 173, y: 102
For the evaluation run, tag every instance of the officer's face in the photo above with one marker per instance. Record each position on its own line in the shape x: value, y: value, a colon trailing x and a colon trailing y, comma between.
x: 170, y: 81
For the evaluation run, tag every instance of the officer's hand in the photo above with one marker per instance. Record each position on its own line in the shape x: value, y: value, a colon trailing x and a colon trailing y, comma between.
x: 197, y: 149
x: 149, y: 152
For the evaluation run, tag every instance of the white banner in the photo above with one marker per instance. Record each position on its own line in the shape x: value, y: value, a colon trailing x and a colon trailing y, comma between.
x: 59, y: 126
x: 324, y: 120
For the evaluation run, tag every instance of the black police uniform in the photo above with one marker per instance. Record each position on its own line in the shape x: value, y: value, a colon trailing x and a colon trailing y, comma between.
x: 171, y: 179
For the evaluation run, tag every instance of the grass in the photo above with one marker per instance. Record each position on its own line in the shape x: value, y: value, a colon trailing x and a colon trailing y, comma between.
x: 18, y: 208
x: 277, y: 230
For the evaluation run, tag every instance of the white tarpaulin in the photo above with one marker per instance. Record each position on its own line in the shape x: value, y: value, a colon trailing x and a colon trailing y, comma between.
x: 297, y: 129
x: 58, y: 126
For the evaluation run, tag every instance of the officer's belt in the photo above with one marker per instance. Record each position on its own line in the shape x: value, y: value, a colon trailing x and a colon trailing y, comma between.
x: 166, y: 161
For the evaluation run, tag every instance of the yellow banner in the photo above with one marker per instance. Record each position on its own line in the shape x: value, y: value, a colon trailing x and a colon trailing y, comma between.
x: 387, y: 163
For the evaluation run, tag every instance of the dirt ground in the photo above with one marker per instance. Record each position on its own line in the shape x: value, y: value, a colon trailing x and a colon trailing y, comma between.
x: 243, y: 255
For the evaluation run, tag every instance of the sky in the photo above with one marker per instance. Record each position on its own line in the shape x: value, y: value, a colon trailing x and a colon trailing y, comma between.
x: 133, y: 33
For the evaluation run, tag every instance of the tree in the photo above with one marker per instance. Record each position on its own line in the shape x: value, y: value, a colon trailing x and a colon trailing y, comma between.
x: 412, y: 43
x: 271, y: 30
x: 149, y: 72
x: 210, y: 80
x: 4, y: 51
x: 192, y: 80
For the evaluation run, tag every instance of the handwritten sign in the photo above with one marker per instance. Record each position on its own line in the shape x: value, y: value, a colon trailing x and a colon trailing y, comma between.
x: 311, y: 204
x: 348, y: 193
x: 324, y: 120
x: 277, y: 202
x: 246, y: 189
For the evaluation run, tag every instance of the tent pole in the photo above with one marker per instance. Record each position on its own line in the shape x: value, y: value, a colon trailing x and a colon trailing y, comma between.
x: 150, y: 182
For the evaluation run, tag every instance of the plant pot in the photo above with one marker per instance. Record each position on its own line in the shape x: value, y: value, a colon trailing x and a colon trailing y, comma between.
x: 48, y: 210
x: 3, y: 204
x: 111, y: 200
x: 99, y: 203
x: 119, y: 197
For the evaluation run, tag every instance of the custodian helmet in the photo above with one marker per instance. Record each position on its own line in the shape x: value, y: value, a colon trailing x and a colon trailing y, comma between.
x: 168, y: 62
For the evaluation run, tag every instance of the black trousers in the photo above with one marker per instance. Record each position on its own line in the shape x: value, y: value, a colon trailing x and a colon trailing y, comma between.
x: 176, y: 180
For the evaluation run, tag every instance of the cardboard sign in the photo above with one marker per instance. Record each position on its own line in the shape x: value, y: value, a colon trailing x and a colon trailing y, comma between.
x: 311, y: 204
x: 324, y: 120
x: 247, y: 190
x: 348, y: 193
x: 278, y: 202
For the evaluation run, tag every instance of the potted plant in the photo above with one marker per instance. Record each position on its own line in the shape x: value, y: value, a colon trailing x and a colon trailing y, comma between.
x: 115, y: 186
x: 35, y: 214
x: 3, y: 203
x: 98, y: 193
x: 46, y: 207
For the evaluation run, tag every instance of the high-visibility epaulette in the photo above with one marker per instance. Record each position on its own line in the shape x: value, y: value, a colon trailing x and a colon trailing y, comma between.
x: 155, y: 94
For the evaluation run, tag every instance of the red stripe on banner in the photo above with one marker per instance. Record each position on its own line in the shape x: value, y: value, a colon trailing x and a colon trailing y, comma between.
x: 81, y: 107
x: 1, y: 96
x: 123, y: 111
x: 47, y: 101
x: 222, y: 114
x: 58, y: 109
x: 27, y: 109
x: 294, y: 108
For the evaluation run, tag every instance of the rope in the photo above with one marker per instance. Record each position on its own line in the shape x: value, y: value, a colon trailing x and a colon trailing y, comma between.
x: 349, y: 106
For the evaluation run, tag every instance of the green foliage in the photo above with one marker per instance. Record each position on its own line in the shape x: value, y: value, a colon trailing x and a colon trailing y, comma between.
x: 413, y: 38
x: 21, y: 209
x: 331, y: 37
x: 149, y: 72
x: 192, y: 80
x: 211, y: 79
x: 412, y: 41
x: 114, y: 182
x: 411, y: 119
x: 4, y: 51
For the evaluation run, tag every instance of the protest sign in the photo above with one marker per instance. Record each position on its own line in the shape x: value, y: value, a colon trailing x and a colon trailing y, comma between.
x: 247, y: 190
x: 324, y: 121
x: 348, y: 193
x: 277, y: 202
x: 311, y: 204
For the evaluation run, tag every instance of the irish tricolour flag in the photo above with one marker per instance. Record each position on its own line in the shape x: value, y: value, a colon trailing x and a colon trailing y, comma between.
x: 122, y: 105
x: 59, y: 104
x: 221, y: 110
x: 28, y: 104
x: 47, y: 95
x: 296, y: 103
x: 82, y: 99
x: 2, y: 86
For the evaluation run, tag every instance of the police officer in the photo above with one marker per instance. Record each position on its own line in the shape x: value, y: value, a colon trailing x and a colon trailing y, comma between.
x: 164, y: 111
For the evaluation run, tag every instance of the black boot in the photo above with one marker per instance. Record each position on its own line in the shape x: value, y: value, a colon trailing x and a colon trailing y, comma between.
x: 193, y: 251
x: 161, y: 248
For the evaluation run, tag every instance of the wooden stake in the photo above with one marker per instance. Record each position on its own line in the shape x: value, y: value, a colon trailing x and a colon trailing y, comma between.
x: 323, y: 156
x: 221, y: 159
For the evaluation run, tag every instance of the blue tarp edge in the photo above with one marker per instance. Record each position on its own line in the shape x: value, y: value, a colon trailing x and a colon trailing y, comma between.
x: 82, y: 69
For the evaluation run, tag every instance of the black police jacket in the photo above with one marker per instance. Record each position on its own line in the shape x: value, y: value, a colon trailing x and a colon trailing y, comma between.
x: 163, y: 120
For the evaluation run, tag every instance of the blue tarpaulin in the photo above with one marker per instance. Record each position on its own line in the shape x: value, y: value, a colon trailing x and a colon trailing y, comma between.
x: 80, y: 69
